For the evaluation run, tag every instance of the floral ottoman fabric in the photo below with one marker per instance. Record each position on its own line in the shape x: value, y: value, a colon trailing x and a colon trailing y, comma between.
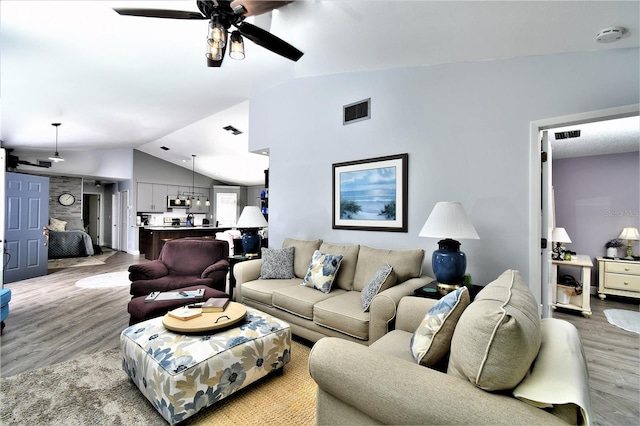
x: 182, y: 374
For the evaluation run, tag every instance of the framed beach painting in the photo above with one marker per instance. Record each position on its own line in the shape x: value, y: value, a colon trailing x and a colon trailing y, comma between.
x: 371, y: 194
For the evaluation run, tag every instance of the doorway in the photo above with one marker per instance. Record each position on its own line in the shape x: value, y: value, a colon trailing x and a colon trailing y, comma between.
x: 91, y: 214
x: 541, y: 213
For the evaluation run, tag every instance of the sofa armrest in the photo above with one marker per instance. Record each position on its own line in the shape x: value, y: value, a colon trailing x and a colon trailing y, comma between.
x: 148, y: 270
x: 401, y: 392
x: 246, y: 271
x: 220, y: 265
x: 382, y: 310
x: 411, y: 312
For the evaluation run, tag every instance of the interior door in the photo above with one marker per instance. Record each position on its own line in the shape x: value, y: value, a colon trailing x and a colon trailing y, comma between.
x: 546, y: 227
x: 26, y: 219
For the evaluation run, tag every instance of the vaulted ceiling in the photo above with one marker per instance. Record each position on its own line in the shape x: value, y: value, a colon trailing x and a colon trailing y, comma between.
x: 124, y: 82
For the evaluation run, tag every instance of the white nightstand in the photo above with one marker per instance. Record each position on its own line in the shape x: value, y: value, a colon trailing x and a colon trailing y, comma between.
x: 581, y: 302
x: 618, y: 277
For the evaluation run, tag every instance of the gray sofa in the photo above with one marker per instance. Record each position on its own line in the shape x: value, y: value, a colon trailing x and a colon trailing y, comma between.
x: 486, y: 348
x: 313, y: 314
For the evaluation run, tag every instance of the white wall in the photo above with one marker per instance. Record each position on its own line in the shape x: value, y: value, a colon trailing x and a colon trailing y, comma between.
x: 465, y: 127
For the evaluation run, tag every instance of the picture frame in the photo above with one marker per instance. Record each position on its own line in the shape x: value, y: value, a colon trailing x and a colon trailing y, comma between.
x: 371, y: 194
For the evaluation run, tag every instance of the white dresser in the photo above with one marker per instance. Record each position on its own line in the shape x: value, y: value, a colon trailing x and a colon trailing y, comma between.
x: 618, y: 277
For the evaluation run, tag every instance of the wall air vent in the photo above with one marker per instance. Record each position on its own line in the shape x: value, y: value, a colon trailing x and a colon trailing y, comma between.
x: 356, y: 111
x: 164, y: 148
x: 232, y: 129
x: 568, y: 135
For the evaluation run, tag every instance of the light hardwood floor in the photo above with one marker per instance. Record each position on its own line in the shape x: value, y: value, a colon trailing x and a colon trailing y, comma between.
x: 52, y: 320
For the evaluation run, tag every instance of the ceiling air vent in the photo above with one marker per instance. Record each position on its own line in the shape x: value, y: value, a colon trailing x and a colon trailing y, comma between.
x: 568, y: 135
x: 357, y: 111
x: 164, y: 148
x: 232, y: 130
x: 43, y: 163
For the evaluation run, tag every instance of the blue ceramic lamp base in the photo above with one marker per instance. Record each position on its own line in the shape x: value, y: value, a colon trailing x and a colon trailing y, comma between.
x: 251, y: 242
x: 449, y: 264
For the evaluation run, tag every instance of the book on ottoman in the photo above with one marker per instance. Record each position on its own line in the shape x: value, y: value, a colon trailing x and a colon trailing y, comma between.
x: 215, y: 304
x: 184, y: 313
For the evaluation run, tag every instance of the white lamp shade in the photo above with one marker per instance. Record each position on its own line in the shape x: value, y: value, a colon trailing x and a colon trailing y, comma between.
x: 448, y: 219
x: 630, y: 233
x: 559, y: 235
x: 251, y: 217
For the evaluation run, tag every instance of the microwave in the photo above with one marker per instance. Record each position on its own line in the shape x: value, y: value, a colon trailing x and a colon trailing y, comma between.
x: 175, y: 202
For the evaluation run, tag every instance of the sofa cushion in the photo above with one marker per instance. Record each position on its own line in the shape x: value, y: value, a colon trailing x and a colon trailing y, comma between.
x: 343, y: 312
x: 498, y: 336
x: 300, y: 300
x: 303, y: 252
x: 432, y: 339
x: 262, y: 290
x: 405, y: 263
x: 322, y: 271
x: 349, y: 253
x: 277, y: 263
x: 383, y: 276
x: 57, y: 224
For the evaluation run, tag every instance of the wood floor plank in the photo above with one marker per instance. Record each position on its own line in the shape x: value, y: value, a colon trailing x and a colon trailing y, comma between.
x: 52, y: 320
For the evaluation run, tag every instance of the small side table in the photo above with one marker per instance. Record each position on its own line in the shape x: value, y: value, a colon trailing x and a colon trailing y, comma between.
x: 232, y: 262
x: 432, y: 291
x: 581, y: 302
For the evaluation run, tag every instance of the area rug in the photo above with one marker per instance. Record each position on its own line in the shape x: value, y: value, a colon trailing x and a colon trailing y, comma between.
x: 73, y: 262
x: 624, y: 319
x: 94, y: 390
x: 112, y: 279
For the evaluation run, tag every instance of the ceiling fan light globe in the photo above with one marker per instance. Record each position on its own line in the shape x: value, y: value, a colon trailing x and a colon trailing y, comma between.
x: 213, y: 52
x: 217, y: 35
x: 237, y: 46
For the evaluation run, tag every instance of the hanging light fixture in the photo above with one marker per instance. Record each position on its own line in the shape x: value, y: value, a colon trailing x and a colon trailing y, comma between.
x: 217, y: 33
x: 56, y: 157
x: 193, y: 179
x: 237, y: 46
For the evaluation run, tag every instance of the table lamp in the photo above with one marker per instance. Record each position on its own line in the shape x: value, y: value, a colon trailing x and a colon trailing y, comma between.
x: 448, y: 220
x: 629, y: 234
x: 250, y: 220
x: 559, y: 236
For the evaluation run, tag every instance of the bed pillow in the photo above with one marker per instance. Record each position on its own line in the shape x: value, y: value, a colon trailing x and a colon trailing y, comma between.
x: 322, y: 271
x: 74, y: 225
x: 432, y: 339
x: 381, y: 278
x: 57, y: 225
x: 277, y: 263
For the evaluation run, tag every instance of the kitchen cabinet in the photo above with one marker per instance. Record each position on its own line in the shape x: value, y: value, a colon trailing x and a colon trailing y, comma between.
x: 151, y: 198
x: 618, y: 277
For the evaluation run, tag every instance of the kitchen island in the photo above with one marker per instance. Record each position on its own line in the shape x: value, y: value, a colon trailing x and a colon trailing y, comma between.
x: 152, y: 238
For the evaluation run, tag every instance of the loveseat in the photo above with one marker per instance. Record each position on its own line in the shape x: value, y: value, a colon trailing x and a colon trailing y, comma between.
x: 492, y: 361
x: 274, y: 284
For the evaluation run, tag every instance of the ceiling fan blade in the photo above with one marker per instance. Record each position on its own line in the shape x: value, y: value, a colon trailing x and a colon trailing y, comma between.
x: 160, y: 13
x: 269, y: 41
x: 258, y: 7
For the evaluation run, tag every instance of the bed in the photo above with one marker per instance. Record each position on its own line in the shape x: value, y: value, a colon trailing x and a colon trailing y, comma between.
x: 68, y: 239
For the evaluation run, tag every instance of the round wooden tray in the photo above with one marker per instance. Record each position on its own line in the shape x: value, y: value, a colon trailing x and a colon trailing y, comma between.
x: 208, y: 321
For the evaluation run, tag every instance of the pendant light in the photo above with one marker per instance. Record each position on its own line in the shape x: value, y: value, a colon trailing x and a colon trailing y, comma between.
x: 193, y: 178
x: 56, y: 157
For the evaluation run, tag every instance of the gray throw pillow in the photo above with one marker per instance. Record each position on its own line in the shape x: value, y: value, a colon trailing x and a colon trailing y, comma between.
x: 277, y: 263
x: 373, y: 287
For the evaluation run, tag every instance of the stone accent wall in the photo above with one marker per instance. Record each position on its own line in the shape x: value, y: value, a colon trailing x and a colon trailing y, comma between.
x: 60, y: 185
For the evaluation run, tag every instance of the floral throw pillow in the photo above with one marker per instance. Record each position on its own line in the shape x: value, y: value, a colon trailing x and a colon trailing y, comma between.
x: 57, y: 224
x: 277, y: 263
x: 322, y: 271
x: 432, y: 340
x: 373, y: 287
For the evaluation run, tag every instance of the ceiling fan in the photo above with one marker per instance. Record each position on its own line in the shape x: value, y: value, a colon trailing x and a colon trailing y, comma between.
x: 222, y: 15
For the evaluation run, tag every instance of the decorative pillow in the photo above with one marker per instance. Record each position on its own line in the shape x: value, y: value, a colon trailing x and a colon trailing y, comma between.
x: 74, y: 225
x: 371, y: 289
x: 498, y: 336
x: 56, y: 224
x: 322, y: 271
x: 277, y: 263
x: 431, y: 341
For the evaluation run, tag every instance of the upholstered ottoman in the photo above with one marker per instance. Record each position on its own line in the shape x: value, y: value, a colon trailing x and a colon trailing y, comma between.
x: 181, y: 374
x: 139, y: 310
x: 5, y: 298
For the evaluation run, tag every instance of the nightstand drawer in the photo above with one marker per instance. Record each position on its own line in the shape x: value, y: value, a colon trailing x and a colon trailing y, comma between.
x: 622, y: 282
x: 623, y: 268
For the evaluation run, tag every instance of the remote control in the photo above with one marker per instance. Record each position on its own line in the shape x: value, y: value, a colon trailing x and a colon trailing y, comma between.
x: 151, y: 297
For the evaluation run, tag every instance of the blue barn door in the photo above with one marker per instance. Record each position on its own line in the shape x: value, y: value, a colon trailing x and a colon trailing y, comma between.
x: 26, y: 218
